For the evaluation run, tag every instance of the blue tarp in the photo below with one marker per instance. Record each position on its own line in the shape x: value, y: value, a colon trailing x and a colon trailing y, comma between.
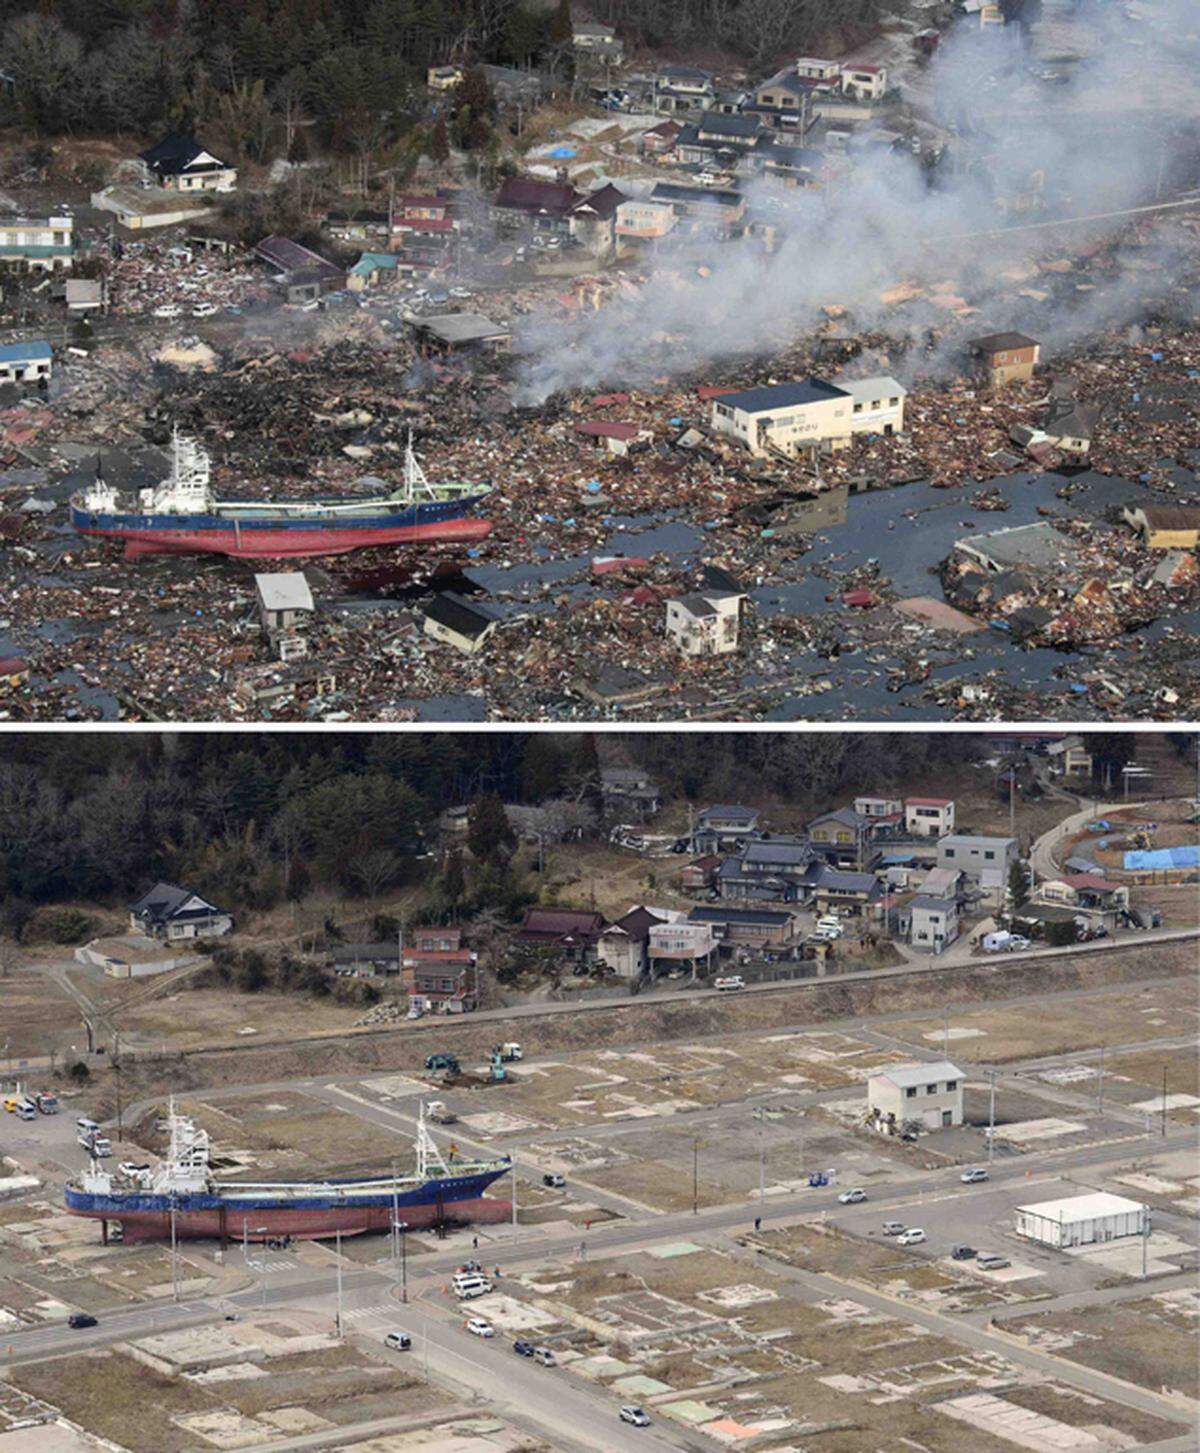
x: 1147, y: 860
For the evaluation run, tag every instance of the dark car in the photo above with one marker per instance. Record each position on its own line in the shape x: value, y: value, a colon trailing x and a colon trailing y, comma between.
x: 82, y: 1319
x: 523, y: 1349
x: 963, y: 1253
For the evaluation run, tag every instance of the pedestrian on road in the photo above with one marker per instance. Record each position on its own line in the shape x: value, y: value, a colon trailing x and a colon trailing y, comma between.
x: 474, y: 1243
x: 758, y: 1223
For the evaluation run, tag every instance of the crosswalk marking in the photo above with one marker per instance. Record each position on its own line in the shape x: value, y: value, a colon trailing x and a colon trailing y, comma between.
x: 272, y: 1263
x: 360, y: 1314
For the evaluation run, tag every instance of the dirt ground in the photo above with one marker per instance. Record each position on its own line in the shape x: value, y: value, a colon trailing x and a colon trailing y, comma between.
x: 1123, y: 1016
x: 35, y: 1010
x: 1154, y: 1341
x: 366, y: 1053
x: 117, y: 1397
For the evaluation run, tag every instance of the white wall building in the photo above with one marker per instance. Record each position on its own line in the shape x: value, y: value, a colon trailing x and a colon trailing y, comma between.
x: 640, y: 218
x: 928, y: 816
x: 878, y: 404
x: 863, y: 82
x: 786, y: 416
x: 929, y: 1093
x: 1081, y: 1220
x: 704, y: 625
x: 985, y: 860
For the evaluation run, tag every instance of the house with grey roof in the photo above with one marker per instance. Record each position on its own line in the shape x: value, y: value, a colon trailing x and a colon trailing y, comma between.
x: 985, y: 861
x: 177, y: 914
x: 929, y: 1095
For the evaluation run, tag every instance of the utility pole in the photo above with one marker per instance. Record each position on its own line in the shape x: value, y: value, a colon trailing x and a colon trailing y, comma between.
x: 762, y: 1156
x: 1145, y: 1237
x: 338, y: 1316
x: 1164, y: 1104
x: 1100, y: 1086
x: 404, y: 1261
x: 946, y: 1035
x: 991, y: 1115
x: 695, y: 1175
x: 174, y: 1251
x: 512, y: 1155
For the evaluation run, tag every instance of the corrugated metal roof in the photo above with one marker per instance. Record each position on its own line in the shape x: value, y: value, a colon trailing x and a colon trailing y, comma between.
x: 906, y: 1076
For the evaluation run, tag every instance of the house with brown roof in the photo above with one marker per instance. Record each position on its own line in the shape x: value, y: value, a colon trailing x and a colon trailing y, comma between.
x: 593, y: 220
x: 530, y: 202
x: 623, y: 944
x: 1006, y: 357
x: 573, y: 931
x: 1165, y: 527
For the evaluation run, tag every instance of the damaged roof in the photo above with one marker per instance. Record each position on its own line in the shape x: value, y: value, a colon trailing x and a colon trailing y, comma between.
x: 784, y: 395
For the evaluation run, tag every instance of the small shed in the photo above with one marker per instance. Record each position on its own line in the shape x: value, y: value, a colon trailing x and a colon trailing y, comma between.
x: 462, y: 623
x: 284, y: 600
x: 1081, y: 1220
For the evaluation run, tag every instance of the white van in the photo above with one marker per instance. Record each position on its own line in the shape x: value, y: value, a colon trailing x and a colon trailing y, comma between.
x: 101, y: 1147
x: 86, y: 1126
x: 730, y: 982
x: 26, y: 1111
x: 470, y: 1290
x: 398, y: 1341
x: 834, y: 926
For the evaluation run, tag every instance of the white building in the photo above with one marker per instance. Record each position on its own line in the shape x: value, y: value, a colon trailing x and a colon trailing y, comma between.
x: 933, y: 922
x: 681, y: 942
x: 928, y: 816
x: 811, y: 68
x: 704, y: 624
x: 984, y: 860
x: 878, y: 404
x: 284, y: 599
x: 929, y: 1093
x: 864, y: 83
x: 1082, y: 1220
x: 644, y: 220
x: 786, y: 417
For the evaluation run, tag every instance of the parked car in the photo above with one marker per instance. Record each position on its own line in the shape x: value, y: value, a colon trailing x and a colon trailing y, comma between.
x: 168, y: 310
x: 973, y: 1175
x: 1018, y: 943
x: 480, y: 1328
x: 204, y: 310
x: 992, y: 1261
x: 893, y: 1228
x: 912, y: 1237
x: 963, y: 1253
x: 554, y: 1181
x: 523, y: 1349
x: 545, y: 1356
x: 634, y: 1415
x: 398, y: 1341
x: 853, y: 1197
x: 82, y: 1319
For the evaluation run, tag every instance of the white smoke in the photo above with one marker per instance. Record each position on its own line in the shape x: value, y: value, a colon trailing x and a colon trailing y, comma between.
x: 1106, y: 141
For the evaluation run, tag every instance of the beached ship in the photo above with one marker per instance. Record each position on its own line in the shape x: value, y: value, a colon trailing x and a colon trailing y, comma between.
x: 181, y: 515
x: 181, y: 1198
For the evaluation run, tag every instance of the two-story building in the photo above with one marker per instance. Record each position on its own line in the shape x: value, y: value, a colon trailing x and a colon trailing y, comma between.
x: 26, y: 362
x: 540, y: 206
x: 682, y: 88
x: 178, y: 163
x: 758, y: 928
x: 713, y: 211
x: 766, y: 870
x: 672, y: 944
x: 928, y: 816
x: 704, y: 623
x: 861, y: 894
x: 785, y: 418
x: 864, y: 82
x: 640, y: 220
x: 929, y: 1094
x: 37, y: 244
x: 425, y: 228
x: 629, y: 793
x: 724, y: 827
x: 932, y: 922
x: 878, y: 404
x: 881, y: 812
x: 177, y: 914
x: 1006, y: 358
x: 717, y: 139
x: 622, y: 945
x: 982, y: 860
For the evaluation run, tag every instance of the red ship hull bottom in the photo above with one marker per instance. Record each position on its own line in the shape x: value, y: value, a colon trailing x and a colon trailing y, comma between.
x: 279, y: 544
x: 302, y: 1225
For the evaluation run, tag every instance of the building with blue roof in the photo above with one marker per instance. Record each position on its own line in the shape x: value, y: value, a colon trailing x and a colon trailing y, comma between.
x: 25, y: 362
x: 786, y: 418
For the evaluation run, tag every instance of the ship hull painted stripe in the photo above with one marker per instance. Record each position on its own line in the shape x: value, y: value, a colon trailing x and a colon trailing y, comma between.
x: 304, y: 1225
x: 284, y: 542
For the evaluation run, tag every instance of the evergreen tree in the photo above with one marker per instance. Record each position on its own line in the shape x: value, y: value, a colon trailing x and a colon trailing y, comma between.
x: 542, y: 769
x: 489, y: 833
x: 1018, y: 884
x: 453, y: 885
x: 439, y: 142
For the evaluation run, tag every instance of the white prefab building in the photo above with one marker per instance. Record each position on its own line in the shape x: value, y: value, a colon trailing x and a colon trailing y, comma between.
x: 929, y: 1093
x: 704, y: 625
x: 878, y: 404
x: 785, y: 417
x: 1081, y: 1220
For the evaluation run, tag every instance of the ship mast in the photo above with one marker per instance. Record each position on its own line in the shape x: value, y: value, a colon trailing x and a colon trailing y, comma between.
x: 427, y: 1150
x: 414, y: 476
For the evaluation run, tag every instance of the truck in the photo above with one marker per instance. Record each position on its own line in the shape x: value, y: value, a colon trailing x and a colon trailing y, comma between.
x: 447, y: 1062
x: 510, y: 1052
x: 999, y: 942
x: 440, y: 1113
x: 46, y: 1103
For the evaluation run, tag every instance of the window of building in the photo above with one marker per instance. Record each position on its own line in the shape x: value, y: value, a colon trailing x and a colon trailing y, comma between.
x: 949, y: 852
x: 858, y: 408
x: 951, y: 1084
x: 931, y: 1089
x: 989, y: 855
x: 893, y: 402
x: 910, y: 1093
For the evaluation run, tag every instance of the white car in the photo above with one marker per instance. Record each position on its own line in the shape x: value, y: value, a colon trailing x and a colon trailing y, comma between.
x: 168, y: 310
x: 974, y: 1174
x: 853, y: 1197
x: 480, y: 1328
x: 1018, y: 944
x: 634, y: 1415
x: 132, y: 1168
x: 205, y: 310
x: 912, y: 1237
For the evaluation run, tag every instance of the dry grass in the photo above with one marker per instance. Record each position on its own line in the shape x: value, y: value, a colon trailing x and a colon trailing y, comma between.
x: 1143, y: 1341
